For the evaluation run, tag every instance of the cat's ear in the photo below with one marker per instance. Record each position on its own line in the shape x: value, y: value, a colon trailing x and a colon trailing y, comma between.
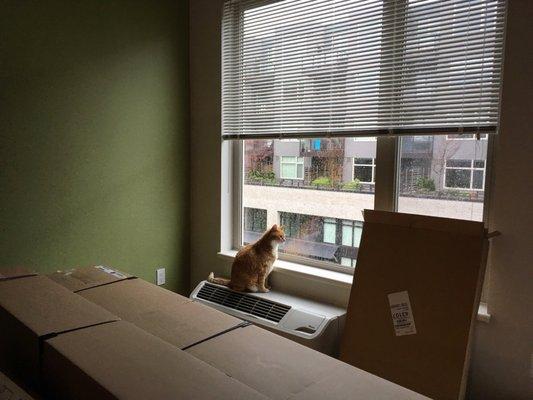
x: 274, y: 227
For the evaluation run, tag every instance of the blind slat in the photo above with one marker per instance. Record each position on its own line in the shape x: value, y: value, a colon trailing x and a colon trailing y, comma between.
x: 302, y: 68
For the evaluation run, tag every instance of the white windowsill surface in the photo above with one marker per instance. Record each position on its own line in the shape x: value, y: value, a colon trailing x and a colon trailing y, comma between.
x: 329, y: 277
x: 304, y: 271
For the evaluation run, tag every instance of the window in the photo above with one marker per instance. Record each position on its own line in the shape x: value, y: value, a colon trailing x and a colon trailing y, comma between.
x: 317, y: 211
x: 434, y: 181
x: 317, y: 94
x: 364, y: 169
x: 321, y: 238
x: 464, y: 174
x: 351, y: 233
x: 330, y: 231
x: 292, y: 167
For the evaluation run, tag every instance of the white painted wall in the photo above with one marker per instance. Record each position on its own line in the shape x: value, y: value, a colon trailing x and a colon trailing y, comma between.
x: 501, y: 364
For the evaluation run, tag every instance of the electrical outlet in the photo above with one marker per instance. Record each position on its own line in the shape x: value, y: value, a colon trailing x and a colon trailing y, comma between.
x: 160, y: 276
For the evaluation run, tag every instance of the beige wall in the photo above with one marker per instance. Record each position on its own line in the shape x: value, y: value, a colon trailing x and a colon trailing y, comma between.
x: 501, y: 364
x: 503, y: 349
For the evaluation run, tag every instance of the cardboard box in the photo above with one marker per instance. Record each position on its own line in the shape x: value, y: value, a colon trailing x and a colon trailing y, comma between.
x: 173, y: 318
x: 282, y: 369
x: 33, y: 308
x: 78, y: 279
x: 120, y: 361
x: 414, y: 300
x: 9, y: 390
x: 14, y: 273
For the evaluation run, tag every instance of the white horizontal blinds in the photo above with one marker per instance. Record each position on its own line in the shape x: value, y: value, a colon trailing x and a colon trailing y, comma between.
x: 302, y: 68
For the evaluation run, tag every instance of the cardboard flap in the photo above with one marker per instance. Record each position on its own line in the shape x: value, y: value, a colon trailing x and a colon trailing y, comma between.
x: 88, y: 277
x: 280, y: 368
x: 415, y: 293
x: 173, y: 318
x: 119, y: 360
x: 423, y: 222
x: 15, y: 272
x: 47, y: 308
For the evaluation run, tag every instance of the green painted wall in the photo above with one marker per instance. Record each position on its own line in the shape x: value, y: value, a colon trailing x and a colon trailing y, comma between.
x: 94, y: 136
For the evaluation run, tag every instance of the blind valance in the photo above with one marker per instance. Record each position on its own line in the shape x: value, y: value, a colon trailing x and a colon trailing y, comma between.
x: 304, y: 68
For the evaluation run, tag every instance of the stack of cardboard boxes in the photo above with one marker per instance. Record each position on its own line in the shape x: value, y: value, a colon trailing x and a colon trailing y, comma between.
x: 97, y: 333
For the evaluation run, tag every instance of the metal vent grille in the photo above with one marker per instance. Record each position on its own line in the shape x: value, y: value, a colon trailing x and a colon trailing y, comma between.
x: 243, y: 302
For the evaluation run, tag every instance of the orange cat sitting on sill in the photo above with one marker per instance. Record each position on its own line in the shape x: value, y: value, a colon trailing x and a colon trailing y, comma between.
x: 253, y: 263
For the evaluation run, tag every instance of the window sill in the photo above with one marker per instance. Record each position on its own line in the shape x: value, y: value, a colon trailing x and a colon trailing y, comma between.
x: 302, y: 271
x: 328, y: 277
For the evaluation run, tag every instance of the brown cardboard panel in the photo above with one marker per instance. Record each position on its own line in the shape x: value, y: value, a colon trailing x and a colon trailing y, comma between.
x: 120, y: 361
x: 87, y: 277
x: 439, y: 263
x: 345, y: 382
x: 33, y: 307
x: 15, y: 272
x: 281, y: 369
x: 173, y: 318
x: 9, y: 390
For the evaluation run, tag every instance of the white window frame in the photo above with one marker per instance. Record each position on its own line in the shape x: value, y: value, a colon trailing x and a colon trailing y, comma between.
x: 296, y: 163
x: 471, y: 169
x: 365, y: 139
x: 372, y: 166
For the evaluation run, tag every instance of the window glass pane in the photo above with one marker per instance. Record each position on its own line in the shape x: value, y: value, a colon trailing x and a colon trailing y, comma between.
x: 362, y: 173
x: 458, y: 178
x: 288, y: 171
x: 347, y: 235
x: 330, y: 231
x: 358, y: 229
x: 300, y: 171
x: 347, y: 262
x: 477, y: 182
x: 286, y: 159
x: 310, y: 190
x: 362, y: 161
x: 437, y: 177
x: 254, y: 224
x: 459, y: 163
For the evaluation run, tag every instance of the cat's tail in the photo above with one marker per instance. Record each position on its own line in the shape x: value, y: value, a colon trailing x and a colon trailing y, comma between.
x: 219, y: 281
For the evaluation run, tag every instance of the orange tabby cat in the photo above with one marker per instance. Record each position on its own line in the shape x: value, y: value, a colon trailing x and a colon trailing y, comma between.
x: 253, y: 263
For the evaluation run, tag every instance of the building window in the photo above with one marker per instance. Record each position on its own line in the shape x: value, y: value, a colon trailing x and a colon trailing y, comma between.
x: 364, y: 170
x: 464, y: 174
x: 292, y: 167
x: 351, y: 233
x: 330, y: 230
